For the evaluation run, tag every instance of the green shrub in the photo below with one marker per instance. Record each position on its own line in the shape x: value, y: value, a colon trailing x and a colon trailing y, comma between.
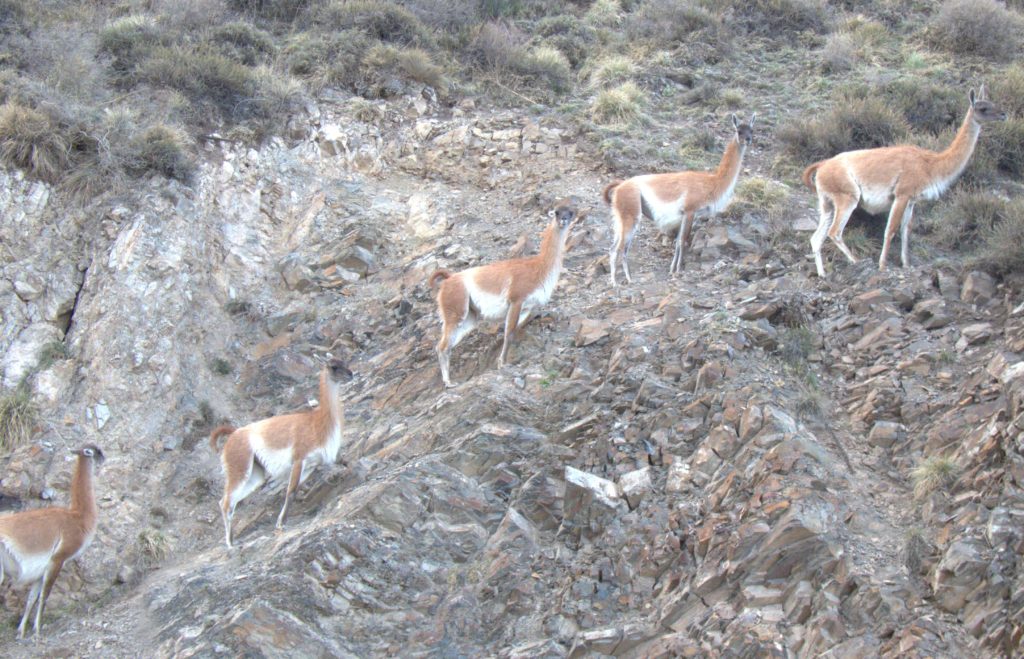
x: 17, y: 418
x: 620, y: 105
x: 162, y: 150
x: 1001, y: 252
x: 670, y: 22
x: 384, y: 21
x: 243, y: 43
x: 568, y: 34
x: 839, y: 54
x: 983, y: 226
x: 775, y: 17
x: 977, y: 27
x: 544, y: 67
x: 220, y: 366
x: 851, y: 124
x: 383, y: 62
x: 129, y: 41
x: 1005, y: 141
x: 1007, y: 90
x: 275, y: 10
x: 613, y: 70
x: 925, y: 105
x: 33, y: 141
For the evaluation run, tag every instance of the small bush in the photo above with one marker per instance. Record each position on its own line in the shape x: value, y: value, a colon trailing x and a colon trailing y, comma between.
x: 384, y: 21
x: 13, y: 17
x: 852, y: 124
x: 670, y: 22
x: 775, y: 17
x: 962, y: 219
x: 925, y: 105
x: 621, y: 105
x: 839, y: 54
x: 243, y: 43
x: 604, y: 13
x: 1005, y: 142
x: 612, y: 70
x: 129, y: 41
x: 17, y: 418
x: 32, y: 141
x: 220, y: 366
x: 496, y: 45
x: 544, y: 67
x: 275, y: 10
x: 382, y: 70
x: 1007, y: 90
x: 932, y: 474
x: 162, y: 150
x: 569, y: 35
x: 1001, y: 252
x: 977, y: 27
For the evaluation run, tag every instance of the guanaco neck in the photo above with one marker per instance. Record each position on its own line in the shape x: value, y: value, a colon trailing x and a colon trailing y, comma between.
x: 552, y: 248
x: 952, y: 161
x: 729, y: 169
x: 83, y: 500
x: 329, y: 410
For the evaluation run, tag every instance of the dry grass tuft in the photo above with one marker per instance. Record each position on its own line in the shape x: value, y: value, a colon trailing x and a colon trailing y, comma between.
x: 620, y: 105
x: 33, y: 141
x: 977, y: 27
x: 18, y: 416
x: 934, y: 473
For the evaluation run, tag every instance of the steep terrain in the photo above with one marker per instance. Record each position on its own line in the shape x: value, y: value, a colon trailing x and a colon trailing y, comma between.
x: 716, y: 464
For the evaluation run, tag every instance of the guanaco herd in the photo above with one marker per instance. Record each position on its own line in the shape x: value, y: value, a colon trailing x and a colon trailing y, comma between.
x: 35, y: 544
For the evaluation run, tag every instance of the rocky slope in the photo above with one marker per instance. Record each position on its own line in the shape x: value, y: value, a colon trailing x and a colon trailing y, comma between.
x: 717, y: 464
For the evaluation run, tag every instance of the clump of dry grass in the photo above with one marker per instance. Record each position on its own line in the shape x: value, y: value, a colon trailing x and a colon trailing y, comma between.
x: 619, y: 105
x: 851, y: 124
x: 934, y: 473
x: 33, y: 141
x: 18, y: 416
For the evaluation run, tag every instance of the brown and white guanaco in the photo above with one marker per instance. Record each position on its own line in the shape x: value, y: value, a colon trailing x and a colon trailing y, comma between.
x: 35, y: 544
x: 892, y: 178
x: 674, y: 200
x: 267, y: 449
x: 508, y: 289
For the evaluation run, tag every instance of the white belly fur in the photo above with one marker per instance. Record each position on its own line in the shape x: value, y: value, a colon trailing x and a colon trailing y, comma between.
x: 490, y: 305
x: 24, y: 568
x: 544, y: 292
x: 666, y: 214
x: 276, y: 462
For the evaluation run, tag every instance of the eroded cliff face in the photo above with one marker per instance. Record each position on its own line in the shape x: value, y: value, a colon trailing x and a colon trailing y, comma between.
x: 718, y: 463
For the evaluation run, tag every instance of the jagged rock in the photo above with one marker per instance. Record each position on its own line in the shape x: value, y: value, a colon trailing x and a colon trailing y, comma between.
x: 865, y: 302
x: 635, y: 485
x: 29, y: 286
x: 296, y: 274
x: 425, y: 220
x: 885, y: 434
x: 589, y: 499
x: 961, y: 570
x: 591, y: 331
x: 53, y: 384
x: 973, y: 334
x: 678, y: 479
x: 932, y: 313
x: 978, y: 288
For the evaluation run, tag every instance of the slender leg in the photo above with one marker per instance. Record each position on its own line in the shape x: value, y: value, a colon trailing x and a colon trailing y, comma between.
x: 511, y: 322
x: 899, y: 206
x: 683, y: 239
x: 33, y: 594
x: 625, y: 257
x: 844, y: 210
x: 228, y: 512
x: 908, y: 218
x: 48, y: 581
x: 293, y: 483
x: 818, y: 239
x: 626, y: 207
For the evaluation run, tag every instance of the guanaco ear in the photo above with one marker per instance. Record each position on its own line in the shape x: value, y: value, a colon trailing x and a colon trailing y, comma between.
x: 970, y: 95
x: 735, y: 121
x: 752, y: 118
x: 551, y: 213
x: 982, y: 93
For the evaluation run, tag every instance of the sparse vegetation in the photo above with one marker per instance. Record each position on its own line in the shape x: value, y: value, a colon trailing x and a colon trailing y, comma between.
x: 932, y: 474
x: 50, y: 353
x: 162, y: 150
x: 33, y: 141
x: 17, y: 418
x: 220, y: 366
x: 987, y: 229
x: 839, y: 54
x: 613, y: 70
x: 153, y: 545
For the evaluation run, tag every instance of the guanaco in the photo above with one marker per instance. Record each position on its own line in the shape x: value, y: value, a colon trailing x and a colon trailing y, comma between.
x: 508, y: 289
x: 269, y: 448
x: 35, y: 544
x: 674, y: 200
x: 892, y: 178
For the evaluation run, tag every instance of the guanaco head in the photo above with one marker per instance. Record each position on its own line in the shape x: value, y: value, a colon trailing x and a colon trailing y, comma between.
x: 744, y: 132
x: 984, y: 109
x: 338, y: 371
x: 565, y: 215
x: 92, y: 452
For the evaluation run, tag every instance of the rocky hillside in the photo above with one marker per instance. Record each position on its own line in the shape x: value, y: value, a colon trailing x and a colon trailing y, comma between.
x: 744, y: 460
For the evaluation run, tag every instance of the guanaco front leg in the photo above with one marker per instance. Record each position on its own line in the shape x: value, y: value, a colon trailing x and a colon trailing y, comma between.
x: 511, y: 322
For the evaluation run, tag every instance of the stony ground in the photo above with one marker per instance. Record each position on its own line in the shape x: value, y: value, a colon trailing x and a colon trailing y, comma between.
x: 716, y: 464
